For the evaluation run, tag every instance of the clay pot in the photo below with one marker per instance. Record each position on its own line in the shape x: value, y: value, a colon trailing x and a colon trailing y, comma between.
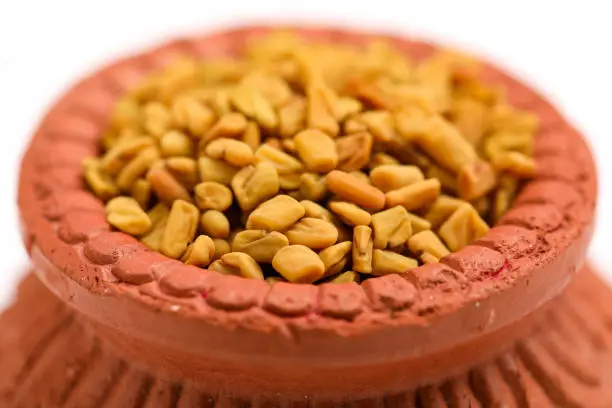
x: 239, y: 341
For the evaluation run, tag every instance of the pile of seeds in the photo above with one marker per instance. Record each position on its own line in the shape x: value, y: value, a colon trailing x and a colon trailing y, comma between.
x: 312, y: 162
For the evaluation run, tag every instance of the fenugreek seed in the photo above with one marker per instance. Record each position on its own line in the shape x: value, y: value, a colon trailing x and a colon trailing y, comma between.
x: 389, y: 177
x: 159, y: 217
x: 382, y: 159
x: 446, y: 146
x: 244, y: 264
x: 427, y: 241
x: 441, y: 209
x: 101, y: 184
x: 312, y: 186
x: 289, y: 181
x: 447, y: 180
x: 361, y: 176
x: 253, y: 104
x: 216, y: 170
x: 276, y: 214
x: 470, y: 117
x: 313, y: 233
x: 215, y: 224
x: 392, y: 227
x: 292, y: 117
x: 507, y: 141
x: 180, y: 229
x: 114, y: 160
x: 346, y: 277
x: 317, y: 150
x: 362, y: 249
x: 336, y: 257
x: 184, y: 170
x: 462, y: 228
x: 274, y: 142
x: 274, y: 279
x: 136, y: 168
x: 387, y: 262
x: 347, y: 106
x: 504, y: 117
x: 126, y: 114
x: 314, y: 210
x: 482, y: 206
x: 350, y: 214
x: 354, y: 151
x: 475, y: 180
x: 350, y: 188
x: 504, y: 195
x: 157, y: 119
x: 283, y: 162
x: 175, y: 143
x: 289, y: 146
x: 252, y: 136
x: 200, y: 252
x: 379, y: 123
x: 515, y: 163
x: 273, y: 88
x: 255, y: 184
x: 230, y: 125
x: 298, y: 264
x: 234, y: 152
x: 125, y: 214
x: 321, y: 109
x: 141, y: 191
x: 414, y: 196
x: 259, y: 244
x: 428, y: 258
x: 221, y: 267
x: 193, y: 116
x: 212, y: 196
x: 166, y: 187
x: 222, y: 247
x: 418, y: 223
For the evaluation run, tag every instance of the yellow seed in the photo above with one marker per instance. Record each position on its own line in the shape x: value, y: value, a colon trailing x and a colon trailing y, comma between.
x: 100, y: 183
x: 347, y: 106
x: 200, y: 252
x: 137, y: 167
x: 427, y: 241
x: 255, y: 184
x: 362, y: 249
x: 462, y: 228
x: 392, y: 227
x: 475, y: 180
x: 391, y: 177
x: 141, y: 191
x: 216, y: 170
x: 428, y: 258
x: 252, y: 136
x: 441, y: 209
x: 447, y: 180
x: 515, y: 163
x: 166, y: 187
x: 352, y: 189
x: 418, y: 223
x: 321, y: 109
x: 184, y: 170
x: 159, y: 217
x: 175, y: 143
x: 346, y: 277
x: 317, y: 150
x: 350, y: 214
x: 215, y: 224
x: 314, y: 210
x: 114, y: 160
x: 387, y: 262
x: 244, y: 264
x: 289, y: 181
x: 234, y: 152
x: 193, y: 116
x: 379, y: 123
x: 180, y: 229
x: 157, y: 119
x: 312, y: 186
x: 283, y: 162
x: 125, y: 214
x: 221, y: 248
x: 382, y: 159
x: 504, y: 196
x: 253, y: 104
x: 230, y: 125
x: 259, y: 244
x: 354, y: 151
x: 298, y: 264
x: 292, y: 117
x: 414, y: 196
x: 336, y: 257
x: 313, y: 233
x: 210, y: 195
x: 276, y: 214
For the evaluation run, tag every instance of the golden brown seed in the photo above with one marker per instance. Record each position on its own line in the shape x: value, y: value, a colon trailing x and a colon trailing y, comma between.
x: 447, y: 179
x: 180, y: 228
x: 346, y: 277
x: 515, y: 163
x: 313, y: 233
x: 386, y: 262
x: 379, y: 123
x: 317, y: 150
x: 475, y: 180
x: 157, y: 119
x: 283, y: 162
x: 336, y: 257
x: 298, y: 264
x: 126, y: 114
x: 244, y: 264
x: 470, y: 117
x: 175, y: 143
x: 504, y: 117
x: 276, y: 214
x: 166, y: 187
x: 222, y: 267
x: 212, y: 196
x: 482, y: 205
x: 315, y: 210
x: 347, y: 106
x: 446, y: 146
x: 255, y: 184
x: 505, y: 194
x: 352, y: 189
x: 418, y: 223
x: 414, y: 196
x: 389, y: 177
x: 159, y: 217
x: 274, y: 142
x: 312, y: 186
x: 350, y: 214
x: 234, y: 152
x: 184, y: 170
x: 137, y: 167
x: 253, y: 104
x: 272, y: 88
x: 125, y: 214
x: 215, y: 224
x: 382, y: 159
x: 114, y: 160
x: 101, y: 184
x: 354, y: 151
x: 506, y: 141
x: 462, y: 228
x: 222, y: 247
x: 289, y: 146
x: 361, y: 176
x: 216, y: 170
x: 259, y: 244
x: 428, y: 258
x: 427, y: 241
x: 252, y: 136
x: 141, y: 191
x: 192, y: 115
x: 321, y: 109
x: 362, y: 249
x: 392, y: 227
x: 230, y: 125
x: 289, y: 181
x: 200, y: 252
x: 292, y: 117
x: 441, y: 209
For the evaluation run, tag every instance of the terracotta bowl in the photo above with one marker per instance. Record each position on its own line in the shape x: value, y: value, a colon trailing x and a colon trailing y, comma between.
x: 244, y: 339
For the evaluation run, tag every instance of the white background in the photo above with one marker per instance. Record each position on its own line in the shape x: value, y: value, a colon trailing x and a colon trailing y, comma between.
x: 561, y: 47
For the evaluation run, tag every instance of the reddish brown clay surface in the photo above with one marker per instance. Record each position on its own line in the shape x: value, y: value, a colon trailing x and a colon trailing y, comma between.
x: 242, y: 336
x: 51, y: 357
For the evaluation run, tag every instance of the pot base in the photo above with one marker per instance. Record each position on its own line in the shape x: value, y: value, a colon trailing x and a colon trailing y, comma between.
x: 49, y: 358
